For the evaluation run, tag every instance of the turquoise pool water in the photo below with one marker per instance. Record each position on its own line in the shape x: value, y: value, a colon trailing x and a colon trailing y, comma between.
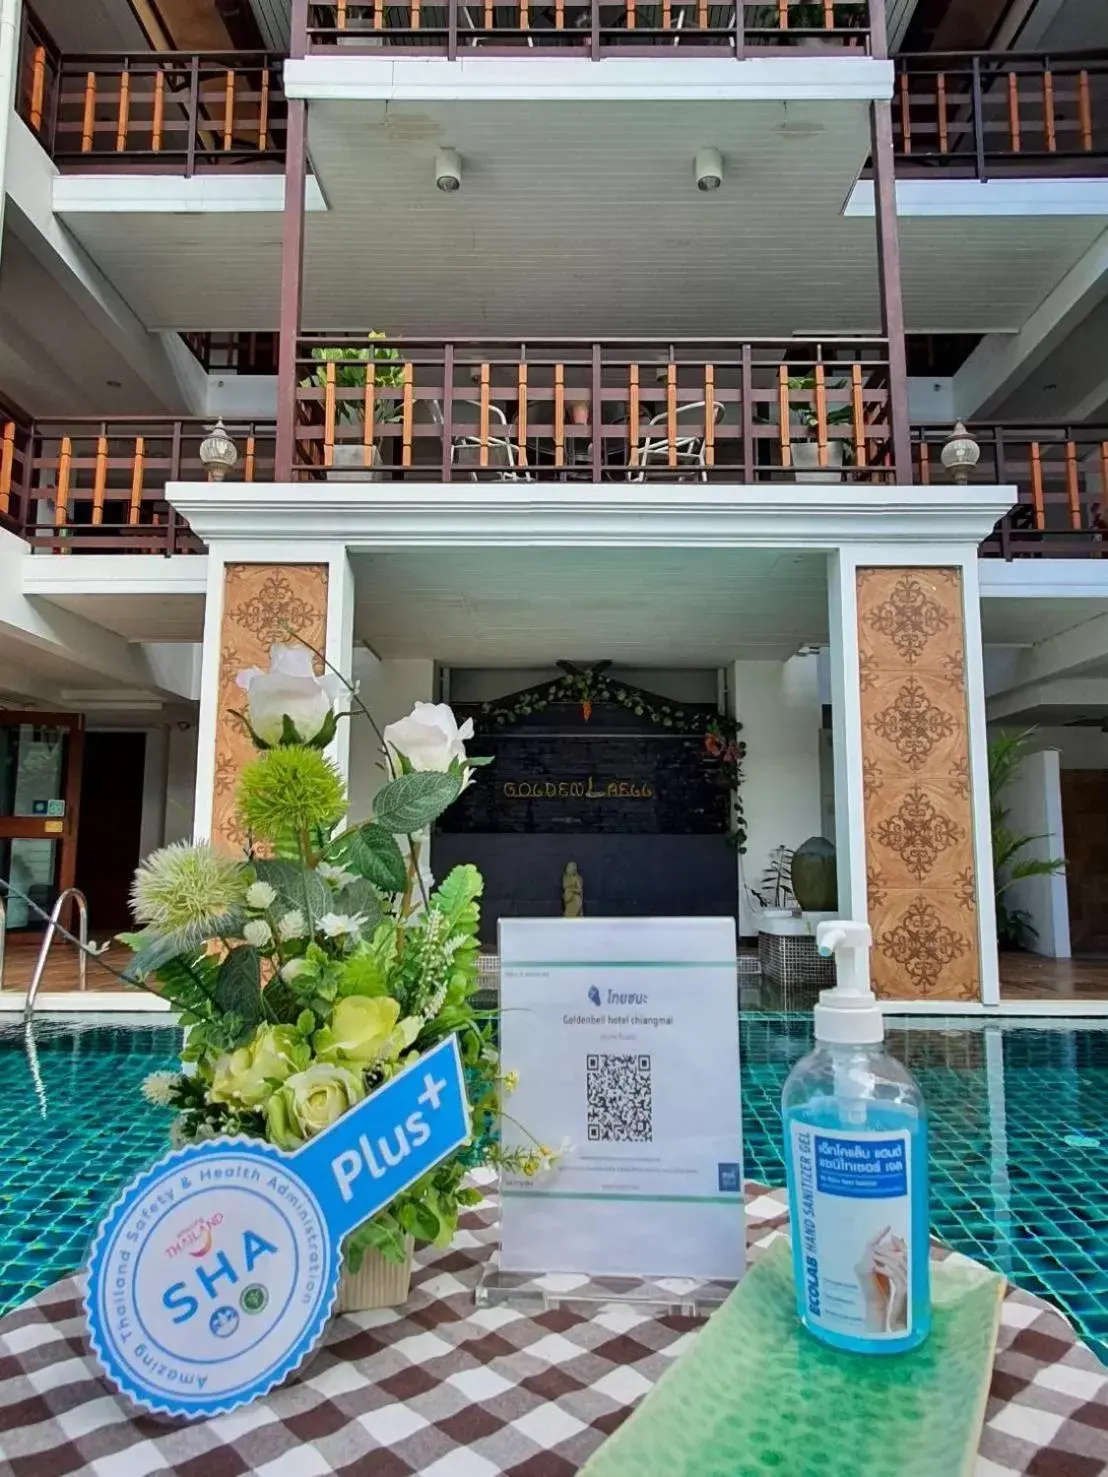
x: 1019, y: 1120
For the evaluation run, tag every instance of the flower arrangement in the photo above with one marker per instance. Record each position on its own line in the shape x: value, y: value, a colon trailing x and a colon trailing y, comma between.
x: 316, y: 965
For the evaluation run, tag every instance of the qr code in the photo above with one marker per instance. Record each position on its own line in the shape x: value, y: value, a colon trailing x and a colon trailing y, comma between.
x: 618, y: 1093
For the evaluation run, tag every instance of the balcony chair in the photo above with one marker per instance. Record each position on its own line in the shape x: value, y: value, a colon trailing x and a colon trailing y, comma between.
x: 688, y: 447
x: 465, y: 450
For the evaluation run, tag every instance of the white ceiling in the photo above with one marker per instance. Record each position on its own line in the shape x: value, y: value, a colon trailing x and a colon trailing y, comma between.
x: 583, y: 219
x: 1016, y: 621
x: 52, y: 360
x: 136, y: 617
x: 640, y: 607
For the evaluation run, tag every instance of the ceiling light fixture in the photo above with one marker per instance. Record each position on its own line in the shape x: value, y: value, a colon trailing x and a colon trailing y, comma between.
x: 448, y: 171
x: 709, y: 169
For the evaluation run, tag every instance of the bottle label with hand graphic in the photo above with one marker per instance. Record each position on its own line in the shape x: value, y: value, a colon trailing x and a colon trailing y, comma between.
x: 854, y: 1229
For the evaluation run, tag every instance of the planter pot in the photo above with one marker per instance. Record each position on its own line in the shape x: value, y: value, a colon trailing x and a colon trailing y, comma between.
x: 806, y: 461
x: 349, y: 456
x: 780, y: 924
x: 376, y: 1284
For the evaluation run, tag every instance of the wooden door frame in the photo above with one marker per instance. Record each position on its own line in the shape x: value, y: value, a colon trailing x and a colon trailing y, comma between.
x: 34, y: 828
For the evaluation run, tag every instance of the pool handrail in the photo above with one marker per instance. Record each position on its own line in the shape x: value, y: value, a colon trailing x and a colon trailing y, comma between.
x: 81, y: 903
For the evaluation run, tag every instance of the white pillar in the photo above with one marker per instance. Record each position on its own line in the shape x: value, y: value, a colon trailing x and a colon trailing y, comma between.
x: 846, y: 736
x: 338, y: 648
x: 1033, y: 800
x: 926, y: 812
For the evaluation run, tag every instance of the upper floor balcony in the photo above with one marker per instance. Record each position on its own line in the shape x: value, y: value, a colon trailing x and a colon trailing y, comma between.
x: 684, y: 414
x: 588, y: 28
x: 166, y: 111
x: 983, y: 115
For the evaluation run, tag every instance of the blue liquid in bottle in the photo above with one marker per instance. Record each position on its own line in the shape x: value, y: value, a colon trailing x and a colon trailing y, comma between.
x: 856, y: 1155
x: 856, y: 1161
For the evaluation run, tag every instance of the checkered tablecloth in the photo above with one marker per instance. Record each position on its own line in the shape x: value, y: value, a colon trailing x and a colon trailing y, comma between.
x: 445, y: 1389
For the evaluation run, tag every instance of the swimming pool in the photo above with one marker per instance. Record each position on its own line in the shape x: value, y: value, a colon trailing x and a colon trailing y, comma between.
x: 1019, y: 1161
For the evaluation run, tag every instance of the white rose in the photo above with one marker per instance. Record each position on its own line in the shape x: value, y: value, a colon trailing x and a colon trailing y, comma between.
x: 340, y: 925
x: 429, y: 737
x: 292, y: 925
x: 257, y: 932
x: 290, y: 689
x: 261, y: 896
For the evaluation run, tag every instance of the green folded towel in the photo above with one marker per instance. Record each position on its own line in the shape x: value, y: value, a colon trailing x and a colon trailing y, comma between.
x: 757, y: 1396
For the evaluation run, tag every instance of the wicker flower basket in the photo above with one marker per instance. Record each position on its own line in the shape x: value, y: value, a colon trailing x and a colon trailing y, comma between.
x: 377, y: 1283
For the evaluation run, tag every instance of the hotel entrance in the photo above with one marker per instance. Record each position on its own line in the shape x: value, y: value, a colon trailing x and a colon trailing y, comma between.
x: 41, y: 759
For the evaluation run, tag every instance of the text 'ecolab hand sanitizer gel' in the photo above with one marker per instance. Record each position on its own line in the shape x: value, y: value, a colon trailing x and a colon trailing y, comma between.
x: 856, y: 1157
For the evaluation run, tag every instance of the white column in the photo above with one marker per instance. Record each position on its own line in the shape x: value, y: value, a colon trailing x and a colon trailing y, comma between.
x: 338, y: 647
x: 846, y: 734
x: 850, y: 741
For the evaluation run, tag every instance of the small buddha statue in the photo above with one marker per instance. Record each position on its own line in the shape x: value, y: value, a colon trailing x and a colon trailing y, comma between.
x: 573, y: 892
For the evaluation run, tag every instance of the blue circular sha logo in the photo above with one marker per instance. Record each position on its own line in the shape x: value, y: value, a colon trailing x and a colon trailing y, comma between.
x: 223, y: 1322
x: 211, y: 1229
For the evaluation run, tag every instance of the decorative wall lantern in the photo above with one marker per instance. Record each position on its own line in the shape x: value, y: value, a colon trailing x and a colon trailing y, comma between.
x: 218, y: 453
x: 961, y: 453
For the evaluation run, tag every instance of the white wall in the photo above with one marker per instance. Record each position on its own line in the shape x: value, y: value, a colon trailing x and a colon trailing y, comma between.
x: 1078, y: 748
x: 778, y: 704
x: 180, y: 782
x: 1033, y: 799
x: 388, y: 689
x: 931, y: 400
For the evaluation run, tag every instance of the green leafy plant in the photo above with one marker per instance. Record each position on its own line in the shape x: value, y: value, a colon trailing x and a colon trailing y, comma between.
x: 307, y: 979
x: 775, y: 890
x: 1007, y: 752
x: 804, y: 410
x: 351, y: 373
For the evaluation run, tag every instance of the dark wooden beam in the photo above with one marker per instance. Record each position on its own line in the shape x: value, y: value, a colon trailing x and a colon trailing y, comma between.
x: 292, y: 278
x: 888, y: 278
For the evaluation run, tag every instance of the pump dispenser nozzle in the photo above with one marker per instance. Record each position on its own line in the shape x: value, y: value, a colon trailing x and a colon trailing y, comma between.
x: 849, y: 1013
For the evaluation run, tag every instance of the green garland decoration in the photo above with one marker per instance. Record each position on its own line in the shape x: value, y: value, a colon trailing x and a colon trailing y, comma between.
x: 724, y: 750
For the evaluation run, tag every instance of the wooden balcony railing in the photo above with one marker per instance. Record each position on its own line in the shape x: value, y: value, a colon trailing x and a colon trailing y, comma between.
x: 81, y: 484
x: 170, y: 111
x: 588, y: 27
x: 234, y: 353
x: 986, y: 113
x: 691, y: 410
x: 1062, y: 476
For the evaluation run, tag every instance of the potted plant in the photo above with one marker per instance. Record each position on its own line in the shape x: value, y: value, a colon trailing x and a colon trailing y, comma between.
x: 774, y: 896
x: 311, y: 968
x: 805, y: 449
x: 350, y: 373
x: 806, y: 19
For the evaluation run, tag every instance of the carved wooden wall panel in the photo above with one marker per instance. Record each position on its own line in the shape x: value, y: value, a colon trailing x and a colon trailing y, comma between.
x: 922, y: 882
x: 261, y: 604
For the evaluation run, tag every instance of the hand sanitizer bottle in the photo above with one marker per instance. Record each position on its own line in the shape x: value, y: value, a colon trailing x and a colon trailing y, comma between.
x: 856, y: 1160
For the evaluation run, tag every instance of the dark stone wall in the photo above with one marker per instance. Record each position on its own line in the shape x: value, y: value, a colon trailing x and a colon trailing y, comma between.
x: 625, y: 876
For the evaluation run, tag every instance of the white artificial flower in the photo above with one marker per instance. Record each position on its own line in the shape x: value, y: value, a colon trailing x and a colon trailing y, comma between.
x: 177, y: 1138
x: 289, y: 971
x: 290, y: 689
x: 292, y: 925
x: 429, y: 738
x: 204, y: 1132
x: 158, y: 1087
x: 260, y: 895
x: 258, y: 933
x: 338, y: 877
x: 341, y: 925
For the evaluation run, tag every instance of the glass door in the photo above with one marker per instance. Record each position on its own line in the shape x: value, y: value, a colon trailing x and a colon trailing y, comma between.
x: 40, y: 784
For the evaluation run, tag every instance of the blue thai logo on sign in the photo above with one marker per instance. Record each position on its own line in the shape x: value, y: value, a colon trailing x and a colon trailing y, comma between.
x: 214, y: 1274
